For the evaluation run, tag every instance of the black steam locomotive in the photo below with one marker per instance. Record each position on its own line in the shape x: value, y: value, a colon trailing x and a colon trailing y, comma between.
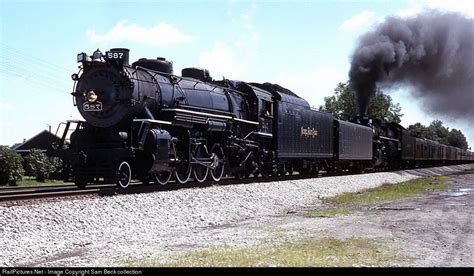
x: 143, y: 122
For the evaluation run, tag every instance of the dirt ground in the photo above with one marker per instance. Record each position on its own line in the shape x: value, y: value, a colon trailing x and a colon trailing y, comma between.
x: 433, y: 229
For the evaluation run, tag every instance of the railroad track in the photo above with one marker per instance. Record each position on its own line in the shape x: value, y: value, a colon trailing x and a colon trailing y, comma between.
x: 27, y: 193
x: 24, y: 193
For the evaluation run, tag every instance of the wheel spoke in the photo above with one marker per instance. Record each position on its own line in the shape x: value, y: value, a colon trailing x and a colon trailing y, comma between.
x: 162, y: 178
x: 182, y: 173
x: 218, y: 170
x: 200, y: 171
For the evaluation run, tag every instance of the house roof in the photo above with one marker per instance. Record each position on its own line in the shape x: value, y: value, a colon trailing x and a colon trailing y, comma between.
x: 41, y: 141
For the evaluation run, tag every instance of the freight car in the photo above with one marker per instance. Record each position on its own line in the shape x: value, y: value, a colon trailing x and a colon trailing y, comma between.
x: 144, y: 122
x: 408, y: 151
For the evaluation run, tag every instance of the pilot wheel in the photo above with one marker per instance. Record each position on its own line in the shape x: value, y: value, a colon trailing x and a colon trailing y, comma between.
x: 124, y: 175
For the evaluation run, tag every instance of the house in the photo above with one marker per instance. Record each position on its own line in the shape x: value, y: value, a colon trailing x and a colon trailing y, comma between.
x: 41, y: 141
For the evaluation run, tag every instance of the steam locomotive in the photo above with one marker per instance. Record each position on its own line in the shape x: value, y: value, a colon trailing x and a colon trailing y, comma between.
x: 143, y: 122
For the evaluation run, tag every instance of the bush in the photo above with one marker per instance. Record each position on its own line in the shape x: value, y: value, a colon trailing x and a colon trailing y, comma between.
x: 59, y: 168
x: 11, y: 169
x: 37, y: 164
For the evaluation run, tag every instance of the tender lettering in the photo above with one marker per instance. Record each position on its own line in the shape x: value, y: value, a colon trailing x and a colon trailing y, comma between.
x: 309, y: 132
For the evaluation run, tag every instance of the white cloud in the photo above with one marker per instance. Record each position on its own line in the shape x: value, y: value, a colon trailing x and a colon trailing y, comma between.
x: 21, y: 78
x: 358, y: 21
x: 313, y: 86
x: 4, y: 106
x: 221, y: 60
x: 412, y: 10
x: 161, y: 34
x: 461, y: 6
x: 233, y: 56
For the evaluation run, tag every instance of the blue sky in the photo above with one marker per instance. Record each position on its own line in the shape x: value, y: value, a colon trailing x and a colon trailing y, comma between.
x: 302, y: 45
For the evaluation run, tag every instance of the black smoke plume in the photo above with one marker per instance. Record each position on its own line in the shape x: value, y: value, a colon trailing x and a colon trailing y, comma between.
x: 432, y: 54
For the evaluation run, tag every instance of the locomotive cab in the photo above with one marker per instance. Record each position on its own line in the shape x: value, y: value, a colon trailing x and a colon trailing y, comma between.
x: 265, y: 118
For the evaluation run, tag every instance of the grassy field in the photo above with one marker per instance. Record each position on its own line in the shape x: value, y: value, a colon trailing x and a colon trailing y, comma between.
x: 389, y: 192
x: 329, y: 213
x: 31, y: 182
x: 315, y: 251
x: 308, y: 252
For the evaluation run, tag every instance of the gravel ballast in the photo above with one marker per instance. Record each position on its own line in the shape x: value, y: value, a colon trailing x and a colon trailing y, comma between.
x: 98, y: 231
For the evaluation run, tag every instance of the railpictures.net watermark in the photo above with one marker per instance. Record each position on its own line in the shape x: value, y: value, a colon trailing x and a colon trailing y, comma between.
x: 69, y: 271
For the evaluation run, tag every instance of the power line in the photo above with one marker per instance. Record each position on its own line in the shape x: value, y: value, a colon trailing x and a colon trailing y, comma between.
x: 29, y: 81
x: 18, y: 64
x: 30, y: 65
x: 37, y: 78
x: 24, y: 70
x: 30, y: 57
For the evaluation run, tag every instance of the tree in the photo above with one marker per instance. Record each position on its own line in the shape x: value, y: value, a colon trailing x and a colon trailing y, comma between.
x: 37, y: 164
x: 382, y: 107
x: 417, y: 130
x: 15, y: 145
x: 11, y: 170
x: 437, y: 132
x: 343, y: 105
x: 457, y: 139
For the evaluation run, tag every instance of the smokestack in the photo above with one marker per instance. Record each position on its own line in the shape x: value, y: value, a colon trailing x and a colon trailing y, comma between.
x: 432, y: 54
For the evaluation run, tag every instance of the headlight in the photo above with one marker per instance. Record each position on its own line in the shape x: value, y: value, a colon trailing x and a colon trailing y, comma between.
x: 81, y: 57
x: 91, y: 96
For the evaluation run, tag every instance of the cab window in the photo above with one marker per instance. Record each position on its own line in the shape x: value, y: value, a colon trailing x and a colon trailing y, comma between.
x: 267, y: 108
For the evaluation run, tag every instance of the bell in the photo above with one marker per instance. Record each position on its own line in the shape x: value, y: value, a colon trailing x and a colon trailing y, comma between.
x: 97, y: 56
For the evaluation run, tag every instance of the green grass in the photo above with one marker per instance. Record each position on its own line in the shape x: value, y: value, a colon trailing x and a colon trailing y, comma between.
x: 389, y: 192
x: 309, y: 252
x: 327, y: 213
x: 28, y: 181
x: 384, y: 193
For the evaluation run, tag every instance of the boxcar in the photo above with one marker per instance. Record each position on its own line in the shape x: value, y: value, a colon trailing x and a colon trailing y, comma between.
x: 408, y: 146
x: 421, y: 149
x: 444, y: 153
x: 434, y: 150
